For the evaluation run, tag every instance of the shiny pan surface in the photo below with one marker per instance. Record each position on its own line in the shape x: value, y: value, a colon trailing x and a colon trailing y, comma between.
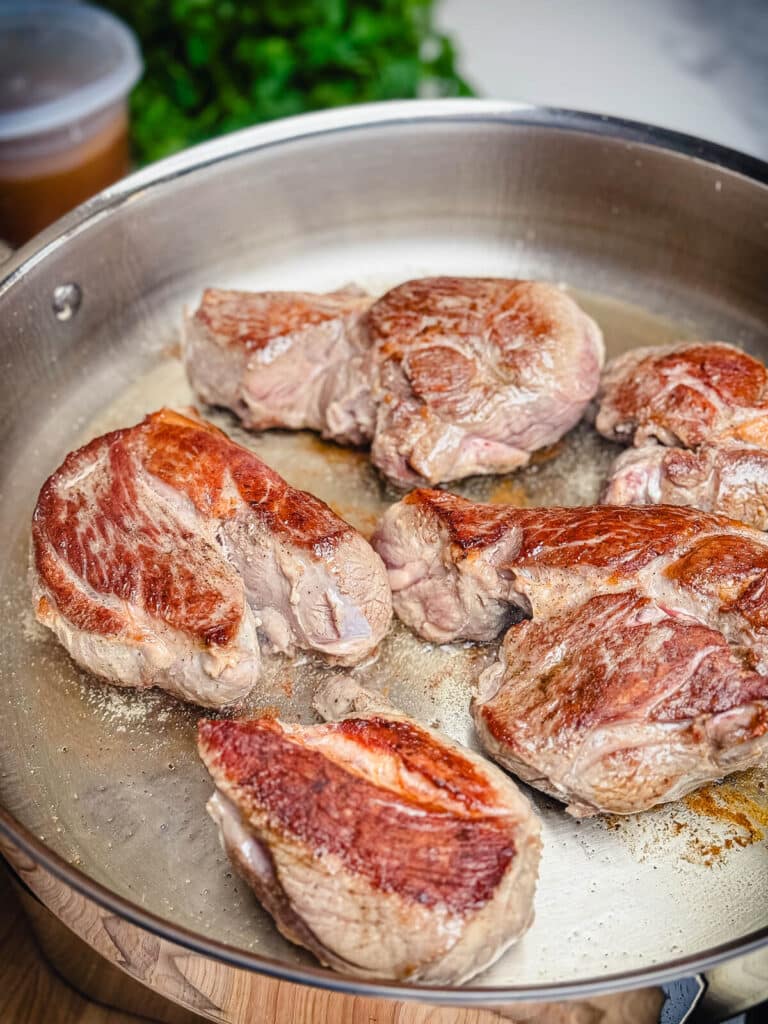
x: 659, y: 236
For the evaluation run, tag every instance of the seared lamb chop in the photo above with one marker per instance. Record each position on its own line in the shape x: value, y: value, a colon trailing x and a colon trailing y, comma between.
x: 618, y: 705
x: 474, y: 374
x: 643, y: 672
x: 160, y: 551
x: 705, y: 396
x: 446, y: 376
x: 375, y: 842
x: 284, y: 359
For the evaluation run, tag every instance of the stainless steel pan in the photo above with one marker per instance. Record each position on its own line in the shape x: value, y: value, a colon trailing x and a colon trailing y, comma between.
x: 660, y: 236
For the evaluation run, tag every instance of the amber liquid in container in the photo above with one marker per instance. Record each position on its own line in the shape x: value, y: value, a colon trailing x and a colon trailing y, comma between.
x: 37, y: 189
x: 66, y: 72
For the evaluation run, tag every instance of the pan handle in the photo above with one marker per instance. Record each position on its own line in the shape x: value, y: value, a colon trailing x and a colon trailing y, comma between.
x: 720, y: 994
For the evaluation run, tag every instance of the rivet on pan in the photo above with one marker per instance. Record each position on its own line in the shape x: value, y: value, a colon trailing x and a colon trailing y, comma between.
x: 66, y: 300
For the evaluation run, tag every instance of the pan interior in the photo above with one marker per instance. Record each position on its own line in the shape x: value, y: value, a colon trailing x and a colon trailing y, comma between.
x: 110, y: 780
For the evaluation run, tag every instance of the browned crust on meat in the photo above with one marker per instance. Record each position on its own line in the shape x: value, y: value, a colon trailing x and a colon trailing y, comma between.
x: 199, y: 460
x: 439, y: 371
x: 731, y: 569
x: 420, y: 850
x: 470, y: 526
x: 116, y: 549
x: 620, y: 540
x: 72, y: 602
x: 681, y: 465
x: 705, y: 371
x: 441, y: 766
x: 753, y: 431
x: 617, y: 538
x: 251, y: 320
x: 520, y: 321
x: 458, y: 303
x: 618, y: 668
x: 499, y: 309
x: 155, y: 565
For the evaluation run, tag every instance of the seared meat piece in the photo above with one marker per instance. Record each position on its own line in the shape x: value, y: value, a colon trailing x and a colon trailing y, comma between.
x: 160, y: 550
x: 447, y: 376
x: 708, y: 397
x: 643, y: 671
x: 474, y: 374
x: 444, y: 556
x: 726, y: 476
x: 618, y: 705
x: 376, y: 843
x: 284, y: 359
x: 683, y: 394
x: 455, y: 567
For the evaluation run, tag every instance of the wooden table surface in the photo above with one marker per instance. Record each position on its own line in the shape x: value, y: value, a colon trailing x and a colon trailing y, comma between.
x: 31, y: 992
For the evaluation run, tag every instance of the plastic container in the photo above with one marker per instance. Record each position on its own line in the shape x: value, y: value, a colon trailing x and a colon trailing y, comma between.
x: 66, y: 70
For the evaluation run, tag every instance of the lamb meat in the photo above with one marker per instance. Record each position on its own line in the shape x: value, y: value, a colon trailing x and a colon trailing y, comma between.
x: 446, y: 376
x: 460, y: 570
x: 684, y: 394
x: 725, y: 475
x: 375, y: 842
x: 708, y: 403
x: 619, y: 705
x: 161, y: 552
x: 475, y: 374
x: 284, y: 359
x: 642, y: 668
x: 444, y: 556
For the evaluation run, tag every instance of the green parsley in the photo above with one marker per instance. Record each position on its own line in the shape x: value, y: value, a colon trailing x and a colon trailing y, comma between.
x: 213, y: 66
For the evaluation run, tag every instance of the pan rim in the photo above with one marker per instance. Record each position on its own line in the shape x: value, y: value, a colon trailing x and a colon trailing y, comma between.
x: 367, y: 116
x: 372, y: 115
x: 319, y: 977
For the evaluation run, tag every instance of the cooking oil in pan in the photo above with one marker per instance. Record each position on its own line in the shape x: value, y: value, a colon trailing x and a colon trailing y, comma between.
x: 111, y: 780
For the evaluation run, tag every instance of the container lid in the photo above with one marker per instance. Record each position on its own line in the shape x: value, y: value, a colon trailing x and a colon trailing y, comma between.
x: 59, y: 63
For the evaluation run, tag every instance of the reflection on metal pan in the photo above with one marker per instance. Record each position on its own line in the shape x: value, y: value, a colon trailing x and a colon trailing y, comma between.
x: 660, y: 236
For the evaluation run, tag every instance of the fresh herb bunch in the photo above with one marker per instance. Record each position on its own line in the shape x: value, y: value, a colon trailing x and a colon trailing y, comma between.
x: 212, y: 66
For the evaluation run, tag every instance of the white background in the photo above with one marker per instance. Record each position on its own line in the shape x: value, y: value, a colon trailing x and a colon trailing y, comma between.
x: 700, y: 66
